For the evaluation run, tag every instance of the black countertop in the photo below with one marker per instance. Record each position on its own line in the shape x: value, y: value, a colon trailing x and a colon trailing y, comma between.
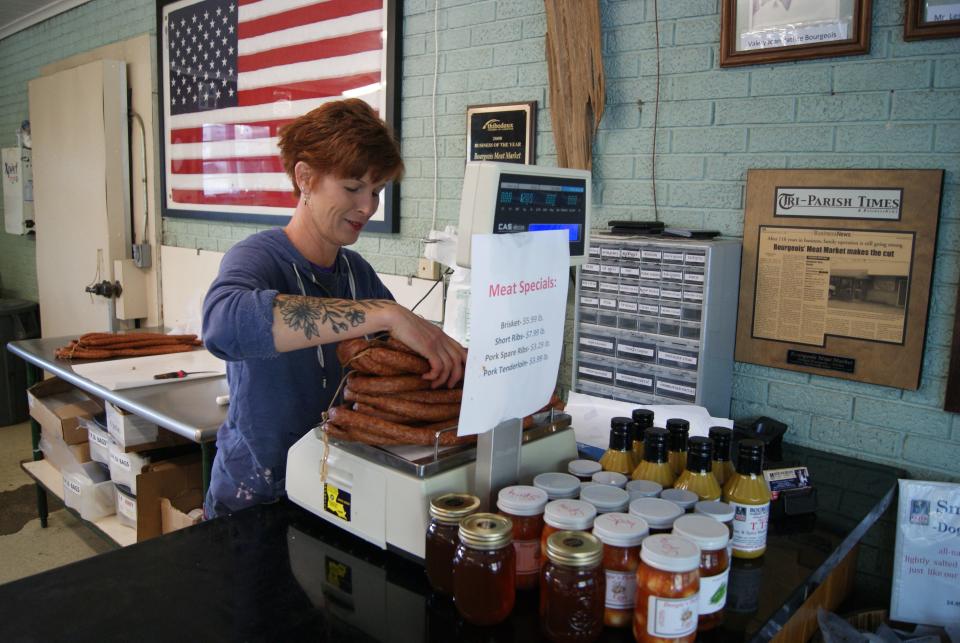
x: 277, y: 572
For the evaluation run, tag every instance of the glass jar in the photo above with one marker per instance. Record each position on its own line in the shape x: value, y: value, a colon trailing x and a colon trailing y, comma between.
x: 680, y: 497
x: 698, y: 476
x: 668, y: 581
x: 523, y: 505
x: 446, y: 512
x: 721, y: 512
x: 679, y: 431
x: 572, y: 588
x: 485, y: 569
x: 605, y: 498
x: 621, y: 535
x: 712, y: 538
x: 655, y: 465
x: 611, y: 478
x: 657, y: 512
x: 642, y: 420
x: 583, y: 469
x: 558, y: 485
x: 565, y: 515
x: 643, y: 489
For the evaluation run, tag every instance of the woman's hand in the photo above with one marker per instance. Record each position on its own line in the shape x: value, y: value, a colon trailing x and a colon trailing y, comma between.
x: 446, y: 356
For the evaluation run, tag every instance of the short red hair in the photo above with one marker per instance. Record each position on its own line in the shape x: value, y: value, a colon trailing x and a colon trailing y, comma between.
x: 344, y: 138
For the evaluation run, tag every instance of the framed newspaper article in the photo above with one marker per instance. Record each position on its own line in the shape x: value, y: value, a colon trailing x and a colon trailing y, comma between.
x: 931, y: 19
x: 836, y: 272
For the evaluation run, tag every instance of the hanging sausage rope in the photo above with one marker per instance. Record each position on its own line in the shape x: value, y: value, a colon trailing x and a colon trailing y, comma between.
x: 575, y: 71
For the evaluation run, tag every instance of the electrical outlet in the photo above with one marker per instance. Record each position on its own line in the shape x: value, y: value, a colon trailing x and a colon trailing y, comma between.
x: 428, y: 269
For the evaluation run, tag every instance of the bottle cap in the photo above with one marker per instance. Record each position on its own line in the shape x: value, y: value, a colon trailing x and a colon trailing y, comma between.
x: 574, y: 549
x: 620, y: 437
x: 655, y: 445
x: 706, y: 533
x: 750, y: 456
x: 681, y: 497
x: 522, y: 500
x: 670, y: 553
x: 605, y: 498
x: 486, y: 531
x: 611, y: 478
x: 699, y: 454
x: 643, y: 489
x: 721, y: 437
x: 658, y: 513
x: 719, y: 511
x: 569, y: 514
x: 619, y: 421
x: 558, y: 485
x: 643, y: 417
x: 583, y: 468
x: 678, y: 430
x: 620, y: 529
x: 451, y: 508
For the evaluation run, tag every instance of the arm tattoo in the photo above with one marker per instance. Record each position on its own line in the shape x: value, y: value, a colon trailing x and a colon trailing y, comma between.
x: 310, y: 313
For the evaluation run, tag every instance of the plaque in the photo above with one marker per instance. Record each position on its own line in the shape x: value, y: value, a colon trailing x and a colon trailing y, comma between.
x: 504, y: 132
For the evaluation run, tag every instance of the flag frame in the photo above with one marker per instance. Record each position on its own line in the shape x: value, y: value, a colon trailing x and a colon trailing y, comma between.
x: 389, y: 222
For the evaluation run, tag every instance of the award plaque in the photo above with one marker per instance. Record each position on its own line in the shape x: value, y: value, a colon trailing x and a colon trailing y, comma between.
x: 505, y: 132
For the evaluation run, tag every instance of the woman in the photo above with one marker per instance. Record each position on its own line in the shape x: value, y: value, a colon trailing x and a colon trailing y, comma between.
x: 284, y: 297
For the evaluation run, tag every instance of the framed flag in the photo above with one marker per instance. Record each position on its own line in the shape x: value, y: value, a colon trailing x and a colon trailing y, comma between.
x: 234, y: 72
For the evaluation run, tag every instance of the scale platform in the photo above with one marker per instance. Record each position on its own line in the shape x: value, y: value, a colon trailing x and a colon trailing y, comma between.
x: 382, y: 494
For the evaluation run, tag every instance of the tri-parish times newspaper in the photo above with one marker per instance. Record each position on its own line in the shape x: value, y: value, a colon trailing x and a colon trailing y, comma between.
x: 817, y: 282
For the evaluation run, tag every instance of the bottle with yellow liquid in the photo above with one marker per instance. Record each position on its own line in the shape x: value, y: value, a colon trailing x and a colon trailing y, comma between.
x: 679, y: 431
x: 643, y: 419
x: 748, y: 495
x: 655, y: 466
x: 619, y: 456
x: 722, y: 466
x: 698, y: 476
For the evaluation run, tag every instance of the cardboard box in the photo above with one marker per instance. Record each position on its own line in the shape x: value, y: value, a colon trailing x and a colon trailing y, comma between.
x: 129, y: 430
x: 174, y: 512
x: 173, y: 479
x: 61, y: 455
x: 58, y: 406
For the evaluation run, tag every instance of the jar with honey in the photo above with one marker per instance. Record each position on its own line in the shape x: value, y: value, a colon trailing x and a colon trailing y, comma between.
x: 446, y: 512
x: 668, y: 583
x: 621, y: 535
x: 523, y: 505
x: 572, y: 588
x: 711, y: 537
x: 485, y: 569
x: 655, y: 466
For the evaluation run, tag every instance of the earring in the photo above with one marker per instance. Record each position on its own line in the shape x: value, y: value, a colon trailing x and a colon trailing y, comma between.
x: 305, y: 195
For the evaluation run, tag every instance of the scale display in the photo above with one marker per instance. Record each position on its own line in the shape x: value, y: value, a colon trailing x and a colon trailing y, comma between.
x: 527, y: 203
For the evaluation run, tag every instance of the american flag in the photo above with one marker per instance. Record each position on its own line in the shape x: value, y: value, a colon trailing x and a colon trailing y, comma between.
x: 238, y: 70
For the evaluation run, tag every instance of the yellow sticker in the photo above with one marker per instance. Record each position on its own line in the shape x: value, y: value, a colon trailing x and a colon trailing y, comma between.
x: 337, y: 502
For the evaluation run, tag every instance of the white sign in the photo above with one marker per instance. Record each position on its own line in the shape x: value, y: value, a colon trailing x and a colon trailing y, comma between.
x: 517, y: 309
x: 842, y: 203
x: 789, y: 35
x: 926, y: 573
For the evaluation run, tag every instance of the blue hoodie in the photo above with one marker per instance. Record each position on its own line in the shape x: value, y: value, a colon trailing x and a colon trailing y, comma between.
x: 275, y: 398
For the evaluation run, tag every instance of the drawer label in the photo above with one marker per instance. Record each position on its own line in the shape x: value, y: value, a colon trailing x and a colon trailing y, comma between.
x: 634, y: 379
x: 697, y: 259
x: 693, y: 295
x: 588, y: 283
x: 595, y: 372
x: 629, y: 306
x: 649, y: 291
x: 627, y: 271
x: 636, y: 350
x: 650, y: 274
x: 596, y: 343
x: 695, y: 277
x: 669, y: 311
x: 610, y: 270
x: 680, y: 359
x: 613, y: 253
x: 607, y: 286
x: 120, y: 460
x: 608, y: 303
x: 629, y: 254
x: 673, y: 387
x: 589, y: 301
x: 673, y: 275
x: 627, y: 289
x: 673, y: 256
x: 651, y: 254
x: 671, y: 294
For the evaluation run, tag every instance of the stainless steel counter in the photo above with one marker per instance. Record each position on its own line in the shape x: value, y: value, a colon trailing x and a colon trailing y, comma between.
x: 186, y: 407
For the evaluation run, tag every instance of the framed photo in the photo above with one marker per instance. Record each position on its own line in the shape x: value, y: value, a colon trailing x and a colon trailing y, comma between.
x: 232, y: 73
x: 836, y: 272
x: 504, y: 132
x: 931, y: 19
x: 756, y: 32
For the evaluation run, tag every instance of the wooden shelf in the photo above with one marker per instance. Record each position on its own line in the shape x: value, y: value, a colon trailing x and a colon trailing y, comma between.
x: 52, y: 480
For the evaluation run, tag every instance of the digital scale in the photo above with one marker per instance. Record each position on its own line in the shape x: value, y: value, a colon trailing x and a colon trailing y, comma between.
x: 382, y: 494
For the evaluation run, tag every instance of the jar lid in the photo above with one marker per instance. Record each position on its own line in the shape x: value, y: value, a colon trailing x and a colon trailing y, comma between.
x: 685, y: 499
x: 715, y: 509
x: 522, y: 500
x: 583, y: 468
x: 611, y: 478
x: 658, y: 513
x: 453, y: 507
x: 643, y: 489
x: 605, y: 498
x: 620, y: 529
x: 670, y: 553
x: 558, y: 485
x: 569, y: 514
x: 706, y: 533
x: 486, y: 531
x: 574, y: 549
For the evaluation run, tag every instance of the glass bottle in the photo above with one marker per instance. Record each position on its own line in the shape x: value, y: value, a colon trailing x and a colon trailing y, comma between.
x: 565, y: 515
x: 712, y: 538
x: 523, y: 505
x: 485, y: 569
x: 658, y: 513
x: 572, y: 588
x: 583, y: 469
x: 619, y: 455
x: 655, y: 466
x: 621, y: 535
x: 679, y: 431
x: 698, y: 476
x: 558, y: 485
x: 722, y: 466
x: 643, y: 420
x: 668, y: 582
x: 748, y: 495
x: 446, y: 512
x: 606, y: 498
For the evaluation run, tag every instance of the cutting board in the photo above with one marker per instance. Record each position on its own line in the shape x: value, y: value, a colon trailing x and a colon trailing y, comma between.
x: 139, y: 371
